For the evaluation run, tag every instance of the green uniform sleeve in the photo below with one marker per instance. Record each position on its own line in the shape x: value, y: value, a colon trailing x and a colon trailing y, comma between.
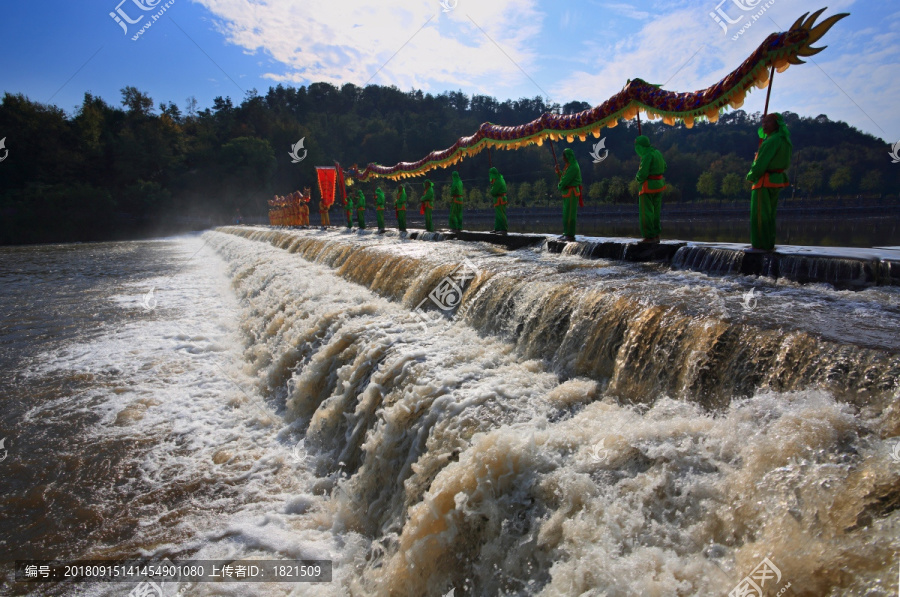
x: 763, y: 157
x: 571, y: 177
x: 644, y: 170
x: 767, y: 158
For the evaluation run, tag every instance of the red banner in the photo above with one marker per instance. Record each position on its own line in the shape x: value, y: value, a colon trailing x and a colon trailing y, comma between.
x: 327, y: 178
x: 340, y: 183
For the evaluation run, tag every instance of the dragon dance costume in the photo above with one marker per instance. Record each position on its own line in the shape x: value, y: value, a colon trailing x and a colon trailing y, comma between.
x: 768, y: 177
x: 650, y: 175
x: 570, y: 185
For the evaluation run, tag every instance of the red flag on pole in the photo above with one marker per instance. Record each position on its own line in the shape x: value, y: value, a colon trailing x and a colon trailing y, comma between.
x: 327, y: 178
x: 340, y: 183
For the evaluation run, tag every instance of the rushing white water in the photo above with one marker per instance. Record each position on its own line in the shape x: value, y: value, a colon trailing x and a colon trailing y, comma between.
x: 283, y: 401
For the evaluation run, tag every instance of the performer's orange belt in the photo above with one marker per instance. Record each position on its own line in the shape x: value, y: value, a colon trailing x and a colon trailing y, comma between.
x: 577, y: 191
x: 379, y: 209
x: 500, y: 200
x: 765, y: 182
x: 425, y: 205
x: 455, y: 197
x: 360, y: 208
x: 400, y: 208
x: 645, y: 189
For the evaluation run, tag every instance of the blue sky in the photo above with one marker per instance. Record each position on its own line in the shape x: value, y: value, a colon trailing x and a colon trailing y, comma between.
x: 564, y: 50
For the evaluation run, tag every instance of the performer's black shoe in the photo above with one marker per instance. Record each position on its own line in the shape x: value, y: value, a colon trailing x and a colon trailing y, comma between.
x: 570, y: 239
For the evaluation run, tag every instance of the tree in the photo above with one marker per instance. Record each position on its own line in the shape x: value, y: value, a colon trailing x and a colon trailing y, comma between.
x: 191, y: 106
x: 840, y: 180
x: 618, y: 190
x: 810, y: 177
x: 523, y: 197
x: 248, y: 164
x: 511, y: 193
x: 540, y: 192
x: 707, y: 184
x: 634, y: 188
x: 597, y: 191
x: 137, y: 102
x: 476, y: 197
x: 732, y: 185
x: 871, y: 182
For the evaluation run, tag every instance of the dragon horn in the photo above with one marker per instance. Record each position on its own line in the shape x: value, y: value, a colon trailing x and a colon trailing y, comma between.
x: 812, y: 19
x: 810, y: 51
x: 816, y: 33
x: 797, y: 23
x: 822, y: 28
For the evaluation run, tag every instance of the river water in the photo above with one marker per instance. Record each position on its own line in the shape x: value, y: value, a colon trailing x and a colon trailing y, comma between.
x: 568, y: 427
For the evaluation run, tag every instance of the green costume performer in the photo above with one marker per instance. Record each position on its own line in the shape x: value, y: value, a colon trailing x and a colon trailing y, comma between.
x: 456, y: 202
x: 400, y: 208
x: 768, y: 177
x: 650, y: 175
x: 427, y: 205
x: 379, y: 208
x: 361, y: 209
x: 348, y: 207
x: 570, y: 185
x: 498, y: 192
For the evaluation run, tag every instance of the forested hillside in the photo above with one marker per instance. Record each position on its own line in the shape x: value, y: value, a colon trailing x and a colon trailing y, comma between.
x: 107, y: 170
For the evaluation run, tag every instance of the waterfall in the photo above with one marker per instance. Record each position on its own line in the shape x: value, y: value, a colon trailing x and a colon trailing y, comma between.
x: 571, y: 426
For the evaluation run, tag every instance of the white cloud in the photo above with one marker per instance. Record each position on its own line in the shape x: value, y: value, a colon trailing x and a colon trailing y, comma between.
x: 627, y: 10
x: 349, y: 41
x: 864, y: 66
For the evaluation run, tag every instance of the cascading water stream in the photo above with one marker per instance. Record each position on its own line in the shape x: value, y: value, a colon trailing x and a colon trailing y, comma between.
x: 576, y: 426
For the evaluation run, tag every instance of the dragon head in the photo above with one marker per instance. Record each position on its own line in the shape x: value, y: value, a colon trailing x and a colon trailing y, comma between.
x: 807, y: 32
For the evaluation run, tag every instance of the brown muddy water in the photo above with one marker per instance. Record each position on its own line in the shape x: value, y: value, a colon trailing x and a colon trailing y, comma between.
x: 563, y: 427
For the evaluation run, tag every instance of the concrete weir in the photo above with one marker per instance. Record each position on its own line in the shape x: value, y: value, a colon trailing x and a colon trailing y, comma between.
x: 842, y: 267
